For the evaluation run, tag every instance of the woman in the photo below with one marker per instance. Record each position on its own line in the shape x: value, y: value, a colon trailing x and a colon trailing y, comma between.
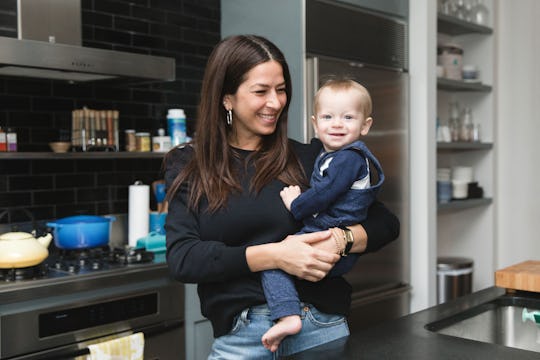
x: 226, y: 221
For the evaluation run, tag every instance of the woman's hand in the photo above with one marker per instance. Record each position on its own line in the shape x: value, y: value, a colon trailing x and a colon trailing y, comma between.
x: 299, y: 256
x: 295, y: 255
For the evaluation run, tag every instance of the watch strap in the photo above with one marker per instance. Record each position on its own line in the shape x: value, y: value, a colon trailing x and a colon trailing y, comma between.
x: 349, y: 240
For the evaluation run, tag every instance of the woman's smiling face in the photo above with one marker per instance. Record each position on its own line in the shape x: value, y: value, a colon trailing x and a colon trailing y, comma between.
x: 257, y: 105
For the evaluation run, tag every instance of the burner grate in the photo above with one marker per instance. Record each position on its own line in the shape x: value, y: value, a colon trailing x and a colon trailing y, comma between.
x: 24, y: 273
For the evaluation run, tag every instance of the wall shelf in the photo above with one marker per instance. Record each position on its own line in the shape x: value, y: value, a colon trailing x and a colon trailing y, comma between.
x: 79, y: 155
x: 453, y: 26
x: 460, y: 85
x: 463, y: 146
x: 463, y: 204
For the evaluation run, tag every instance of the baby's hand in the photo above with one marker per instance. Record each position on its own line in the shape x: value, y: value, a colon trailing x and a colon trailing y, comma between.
x: 288, y: 194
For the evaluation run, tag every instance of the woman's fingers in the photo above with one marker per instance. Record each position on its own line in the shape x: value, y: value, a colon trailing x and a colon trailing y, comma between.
x: 299, y: 258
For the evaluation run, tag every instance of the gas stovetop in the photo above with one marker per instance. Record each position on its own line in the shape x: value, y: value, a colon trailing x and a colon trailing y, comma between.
x: 78, y: 262
x: 66, y: 271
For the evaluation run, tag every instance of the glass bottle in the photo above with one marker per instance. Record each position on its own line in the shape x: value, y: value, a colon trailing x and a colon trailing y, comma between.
x: 461, y: 12
x: 480, y: 13
x: 467, y: 125
x: 453, y: 120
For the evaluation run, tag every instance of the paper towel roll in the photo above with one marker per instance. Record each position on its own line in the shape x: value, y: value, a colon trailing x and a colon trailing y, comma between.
x: 139, y: 212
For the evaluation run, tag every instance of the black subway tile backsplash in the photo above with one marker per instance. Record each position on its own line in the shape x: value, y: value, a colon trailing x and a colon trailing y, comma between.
x: 38, y: 109
x: 32, y: 182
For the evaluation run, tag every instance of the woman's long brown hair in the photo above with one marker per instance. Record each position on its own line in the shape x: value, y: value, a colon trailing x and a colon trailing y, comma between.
x: 210, y: 173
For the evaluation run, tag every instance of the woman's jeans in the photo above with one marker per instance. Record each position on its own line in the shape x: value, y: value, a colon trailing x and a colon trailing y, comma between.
x: 244, y: 340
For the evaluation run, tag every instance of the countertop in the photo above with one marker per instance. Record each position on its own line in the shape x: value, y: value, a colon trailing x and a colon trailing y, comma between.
x: 407, y: 338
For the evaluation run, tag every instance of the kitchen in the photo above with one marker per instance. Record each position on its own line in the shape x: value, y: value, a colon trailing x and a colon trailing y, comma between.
x: 36, y: 108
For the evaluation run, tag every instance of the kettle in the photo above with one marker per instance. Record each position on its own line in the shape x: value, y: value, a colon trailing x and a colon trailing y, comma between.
x: 20, y: 249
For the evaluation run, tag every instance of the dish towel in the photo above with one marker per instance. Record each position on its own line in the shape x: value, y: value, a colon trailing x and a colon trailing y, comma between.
x: 125, y: 348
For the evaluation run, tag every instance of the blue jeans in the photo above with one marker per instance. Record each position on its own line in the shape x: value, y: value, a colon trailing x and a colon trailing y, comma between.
x: 244, y: 340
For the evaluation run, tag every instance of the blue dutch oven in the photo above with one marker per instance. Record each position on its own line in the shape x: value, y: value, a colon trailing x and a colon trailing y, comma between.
x: 81, y: 231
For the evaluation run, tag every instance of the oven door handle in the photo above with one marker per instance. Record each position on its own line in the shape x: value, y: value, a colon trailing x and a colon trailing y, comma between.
x: 148, y: 331
x: 163, y: 327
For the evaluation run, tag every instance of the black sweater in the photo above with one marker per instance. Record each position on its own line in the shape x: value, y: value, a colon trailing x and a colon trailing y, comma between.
x: 209, y: 249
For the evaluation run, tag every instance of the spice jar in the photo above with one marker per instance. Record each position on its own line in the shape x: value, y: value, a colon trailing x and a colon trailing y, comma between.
x: 130, y: 140
x: 142, y: 141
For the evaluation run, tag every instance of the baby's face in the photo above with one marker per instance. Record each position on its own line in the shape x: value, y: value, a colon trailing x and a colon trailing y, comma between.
x: 340, y: 118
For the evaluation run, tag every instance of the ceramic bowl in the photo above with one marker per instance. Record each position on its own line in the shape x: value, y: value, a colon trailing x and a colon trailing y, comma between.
x: 60, y: 146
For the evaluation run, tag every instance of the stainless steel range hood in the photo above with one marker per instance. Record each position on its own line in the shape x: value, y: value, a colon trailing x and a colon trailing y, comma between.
x: 49, y: 46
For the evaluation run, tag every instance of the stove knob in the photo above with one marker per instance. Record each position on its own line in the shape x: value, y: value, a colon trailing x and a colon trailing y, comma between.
x: 96, y: 265
x: 71, y: 268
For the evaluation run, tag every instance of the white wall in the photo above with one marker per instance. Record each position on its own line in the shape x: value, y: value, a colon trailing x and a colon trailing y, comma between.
x: 422, y: 45
x: 518, y: 132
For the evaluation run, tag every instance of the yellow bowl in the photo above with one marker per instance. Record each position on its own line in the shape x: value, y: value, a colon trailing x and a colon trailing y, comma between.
x: 60, y: 146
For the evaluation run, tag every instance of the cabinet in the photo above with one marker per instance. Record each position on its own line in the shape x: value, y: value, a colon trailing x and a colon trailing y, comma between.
x: 466, y: 227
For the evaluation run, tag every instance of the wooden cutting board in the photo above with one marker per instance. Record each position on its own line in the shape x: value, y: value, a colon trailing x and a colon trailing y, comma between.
x: 523, y: 276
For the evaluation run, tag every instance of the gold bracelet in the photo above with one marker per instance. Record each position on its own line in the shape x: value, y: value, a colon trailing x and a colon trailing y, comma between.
x: 338, y: 247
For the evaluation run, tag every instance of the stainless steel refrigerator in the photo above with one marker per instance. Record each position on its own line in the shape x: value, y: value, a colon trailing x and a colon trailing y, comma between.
x: 372, y: 50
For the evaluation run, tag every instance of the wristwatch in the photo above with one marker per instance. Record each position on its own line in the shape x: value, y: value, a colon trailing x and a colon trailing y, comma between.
x: 349, y: 240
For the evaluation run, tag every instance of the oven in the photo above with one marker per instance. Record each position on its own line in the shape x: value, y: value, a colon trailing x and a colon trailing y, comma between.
x: 59, y: 308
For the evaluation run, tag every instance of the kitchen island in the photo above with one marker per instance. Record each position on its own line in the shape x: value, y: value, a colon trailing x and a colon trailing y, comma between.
x: 407, y: 338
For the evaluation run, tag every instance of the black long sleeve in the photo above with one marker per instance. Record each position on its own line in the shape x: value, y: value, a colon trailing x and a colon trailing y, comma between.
x: 209, y: 248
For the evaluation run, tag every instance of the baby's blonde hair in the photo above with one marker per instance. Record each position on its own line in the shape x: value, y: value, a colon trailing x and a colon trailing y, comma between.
x: 346, y: 84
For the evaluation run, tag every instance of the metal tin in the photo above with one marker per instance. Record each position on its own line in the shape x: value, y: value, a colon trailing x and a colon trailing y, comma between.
x: 142, y: 141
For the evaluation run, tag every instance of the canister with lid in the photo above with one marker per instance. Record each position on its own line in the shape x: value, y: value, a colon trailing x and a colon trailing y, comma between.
x: 454, y: 277
x: 450, y: 56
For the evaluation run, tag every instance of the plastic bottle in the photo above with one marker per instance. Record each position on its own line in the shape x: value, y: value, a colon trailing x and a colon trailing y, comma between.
x: 176, y: 120
x: 3, y: 140
x: 11, y: 138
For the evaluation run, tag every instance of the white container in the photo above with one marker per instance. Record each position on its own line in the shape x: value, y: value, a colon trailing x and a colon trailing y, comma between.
x: 176, y: 121
x: 451, y: 58
x: 463, y: 174
x: 460, y: 189
x: 161, y: 143
x: 470, y: 73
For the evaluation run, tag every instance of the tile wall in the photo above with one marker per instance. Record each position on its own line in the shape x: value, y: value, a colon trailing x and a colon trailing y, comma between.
x: 38, y: 109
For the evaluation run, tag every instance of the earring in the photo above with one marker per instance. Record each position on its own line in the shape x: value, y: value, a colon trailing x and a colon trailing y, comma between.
x: 229, y: 117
